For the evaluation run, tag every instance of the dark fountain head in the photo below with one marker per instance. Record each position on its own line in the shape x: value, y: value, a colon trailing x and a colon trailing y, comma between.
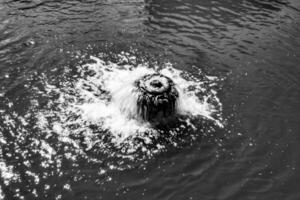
x: 157, y: 97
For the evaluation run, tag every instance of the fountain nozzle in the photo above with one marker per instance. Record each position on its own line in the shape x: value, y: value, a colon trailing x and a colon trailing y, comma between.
x: 157, y: 97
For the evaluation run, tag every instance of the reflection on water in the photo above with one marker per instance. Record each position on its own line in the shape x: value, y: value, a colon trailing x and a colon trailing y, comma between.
x: 242, y: 55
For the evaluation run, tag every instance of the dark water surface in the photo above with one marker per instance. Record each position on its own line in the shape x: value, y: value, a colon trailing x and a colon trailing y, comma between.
x: 253, y: 46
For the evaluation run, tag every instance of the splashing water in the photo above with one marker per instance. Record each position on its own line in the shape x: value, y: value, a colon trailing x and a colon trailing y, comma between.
x: 90, y: 121
x: 101, y: 103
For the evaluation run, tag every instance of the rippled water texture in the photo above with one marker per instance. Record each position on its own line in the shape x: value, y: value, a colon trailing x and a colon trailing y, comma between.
x: 63, y: 136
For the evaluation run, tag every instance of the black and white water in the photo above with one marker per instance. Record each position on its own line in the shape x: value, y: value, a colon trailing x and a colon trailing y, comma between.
x: 67, y: 125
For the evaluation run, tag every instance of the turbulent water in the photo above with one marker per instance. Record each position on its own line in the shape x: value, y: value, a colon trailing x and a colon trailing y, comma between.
x: 68, y: 124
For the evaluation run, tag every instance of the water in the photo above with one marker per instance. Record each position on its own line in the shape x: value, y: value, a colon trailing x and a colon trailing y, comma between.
x: 64, y: 131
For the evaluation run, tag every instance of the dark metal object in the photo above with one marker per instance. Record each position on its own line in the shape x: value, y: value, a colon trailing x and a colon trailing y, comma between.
x: 157, y: 97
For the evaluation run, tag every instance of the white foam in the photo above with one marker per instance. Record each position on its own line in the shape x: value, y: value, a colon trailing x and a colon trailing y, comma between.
x: 118, y: 114
x: 103, y: 96
x: 1, y: 194
x: 98, y: 109
x: 7, y: 173
x: 112, y: 119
